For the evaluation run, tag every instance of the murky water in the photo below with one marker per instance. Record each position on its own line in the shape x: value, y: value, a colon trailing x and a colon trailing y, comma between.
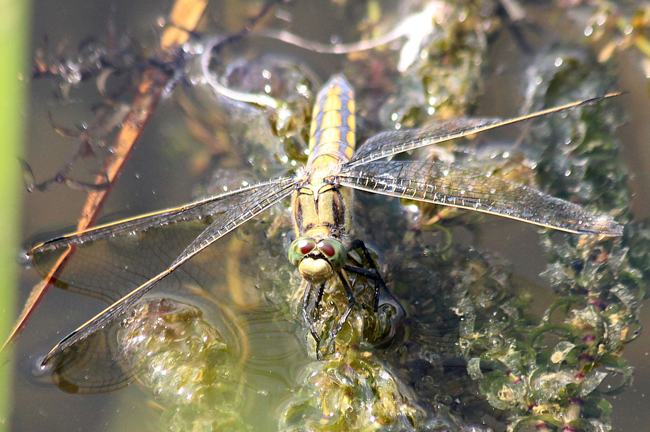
x: 252, y: 311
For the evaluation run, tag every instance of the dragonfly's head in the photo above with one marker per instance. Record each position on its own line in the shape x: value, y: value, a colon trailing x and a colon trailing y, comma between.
x: 317, y: 261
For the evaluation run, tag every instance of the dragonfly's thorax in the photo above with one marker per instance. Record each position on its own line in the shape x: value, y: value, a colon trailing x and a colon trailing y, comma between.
x: 319, y: 175
x: 317, y: 260
x: 322, y: 214
x: 322, y: 210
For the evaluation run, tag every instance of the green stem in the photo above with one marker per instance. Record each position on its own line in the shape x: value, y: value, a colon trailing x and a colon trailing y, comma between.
x: 14, y: 47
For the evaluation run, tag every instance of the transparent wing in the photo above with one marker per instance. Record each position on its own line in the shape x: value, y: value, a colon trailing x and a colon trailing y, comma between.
x: 112, y: 259
x: 156, y: 331
x: 386, y: 144
x: 100, y: 268
x: 141, y: 223
x: 95, y: 365
x: 454, y: 186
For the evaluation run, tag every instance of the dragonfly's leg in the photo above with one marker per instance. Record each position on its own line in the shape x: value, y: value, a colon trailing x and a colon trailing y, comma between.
x: 351, y: 301
x: 319, y: 297
x: 307, y: 316
x: 305, y: 312
x: 372, y: 274
x: 379, y: 281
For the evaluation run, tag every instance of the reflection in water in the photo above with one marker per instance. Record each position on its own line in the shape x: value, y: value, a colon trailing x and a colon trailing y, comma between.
x: 171, y: 349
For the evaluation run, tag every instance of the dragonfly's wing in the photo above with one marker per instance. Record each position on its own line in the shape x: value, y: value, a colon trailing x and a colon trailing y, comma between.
x: 156, y: 331
x: 138, y: 224
x: 112, y: 259
x: 454, y: 186
x: 229, y: 211
x: 96, y: 365
x: 389, y: 143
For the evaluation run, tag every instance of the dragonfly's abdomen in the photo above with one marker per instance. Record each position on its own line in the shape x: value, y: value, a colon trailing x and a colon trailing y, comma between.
x: 322, y: 210
x: 332, y: 133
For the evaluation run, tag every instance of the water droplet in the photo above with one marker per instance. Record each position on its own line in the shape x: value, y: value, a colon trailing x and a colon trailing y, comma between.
x: 412, y: 208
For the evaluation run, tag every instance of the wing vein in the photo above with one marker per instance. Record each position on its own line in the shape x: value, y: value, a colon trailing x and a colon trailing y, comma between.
x: 455, y: 186
x: 240, y: 212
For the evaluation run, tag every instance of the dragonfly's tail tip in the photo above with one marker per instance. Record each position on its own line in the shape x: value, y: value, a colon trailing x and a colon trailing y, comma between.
x: 338, y: 79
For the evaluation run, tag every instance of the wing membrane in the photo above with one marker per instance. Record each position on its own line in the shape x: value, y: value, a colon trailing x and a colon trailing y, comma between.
x: 111, y: 267
x: 96, y: 365
x: 389, y: 143
x: 156, y: 331
x: 451, y: 185
x: 141, y: 223
x: 237, y: 208
x: 112, y: 259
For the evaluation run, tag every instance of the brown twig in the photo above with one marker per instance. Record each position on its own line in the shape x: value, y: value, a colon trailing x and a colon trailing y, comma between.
x: 184, y: 18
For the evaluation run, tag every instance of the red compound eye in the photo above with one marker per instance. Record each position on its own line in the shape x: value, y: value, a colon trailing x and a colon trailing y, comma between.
x: 327, y: 248
x: 305, y: 246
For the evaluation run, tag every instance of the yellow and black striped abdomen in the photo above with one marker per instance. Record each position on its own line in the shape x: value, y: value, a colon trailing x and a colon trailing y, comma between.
x: 332, y: 133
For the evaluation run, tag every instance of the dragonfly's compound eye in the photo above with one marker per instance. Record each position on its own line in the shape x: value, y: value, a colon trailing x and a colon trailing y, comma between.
x: 334, y: 251
x: 306, y: 245
x: 327, y: 248
x: 299, y: 248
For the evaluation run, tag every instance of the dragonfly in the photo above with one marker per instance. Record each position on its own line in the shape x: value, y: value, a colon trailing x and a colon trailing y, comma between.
x: 321, y: 202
